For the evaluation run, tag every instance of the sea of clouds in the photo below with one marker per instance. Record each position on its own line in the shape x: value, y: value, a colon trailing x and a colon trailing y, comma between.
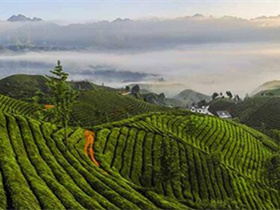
x: 204, y: 54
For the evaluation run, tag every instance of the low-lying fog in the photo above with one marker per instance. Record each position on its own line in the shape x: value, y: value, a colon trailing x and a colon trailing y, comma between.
x: 206, y: 54
x: 205, y: 68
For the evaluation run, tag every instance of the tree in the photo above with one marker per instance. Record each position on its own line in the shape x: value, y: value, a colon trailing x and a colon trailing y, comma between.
x: 61, y: 95
x: 127, y: 88
x: 237, y: 98
x: 37, y: 100
x: 38, y: 97
x: 215, y: 95
x: 202, y: 103
x: 136, y: 91
x: 229, y: 94
x: 246, y: 97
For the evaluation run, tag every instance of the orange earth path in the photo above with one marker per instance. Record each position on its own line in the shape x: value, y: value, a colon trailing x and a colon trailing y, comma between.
x: 90, y: 136
x: 48, y: 106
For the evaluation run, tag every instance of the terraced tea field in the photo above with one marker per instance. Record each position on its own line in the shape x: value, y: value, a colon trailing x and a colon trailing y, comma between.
x: 196, y: 158
x: 14, y: 106
x: 100, y: 106
x: 162, y: 160
x: 257, y: 111
x: 37, y: 171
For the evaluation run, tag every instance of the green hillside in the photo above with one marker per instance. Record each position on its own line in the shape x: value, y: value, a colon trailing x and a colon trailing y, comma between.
x: 258, y: 111
x: 24, y: 87
x: 268, y: 89
x: 39, y: 172
x: 10, y: 105
x: 199, y: 160
x: 100, y: 106
x: 187, y: 97
x: 220, y: 104
x: 163, y: 160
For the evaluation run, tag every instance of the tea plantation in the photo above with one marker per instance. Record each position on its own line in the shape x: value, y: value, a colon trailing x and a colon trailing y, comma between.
x: 101, y: 106
x: 158, y: 160
x: 14, y: 106
x: 194, y: 159
x: 258, y: 111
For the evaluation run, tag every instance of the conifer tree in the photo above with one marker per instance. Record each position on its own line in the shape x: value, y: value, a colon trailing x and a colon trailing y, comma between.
x: 61, y: 95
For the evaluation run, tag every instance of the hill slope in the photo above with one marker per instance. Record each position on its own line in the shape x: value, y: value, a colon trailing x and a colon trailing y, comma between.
x: 199, y: 160
x: 100, y: 106
x: 190, y: 96
x: 173, y: 160
x: 220, y: 104
x: 38, y: 171
x: 258, y: 111
x: 268, y: 88
x: 24, y: 87
x: 10, y: 105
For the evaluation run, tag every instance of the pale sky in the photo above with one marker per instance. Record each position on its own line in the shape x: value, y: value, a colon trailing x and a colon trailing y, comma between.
x: 90, y: 10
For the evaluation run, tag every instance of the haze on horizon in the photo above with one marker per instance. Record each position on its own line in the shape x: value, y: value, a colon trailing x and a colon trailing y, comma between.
x: 89, y: 10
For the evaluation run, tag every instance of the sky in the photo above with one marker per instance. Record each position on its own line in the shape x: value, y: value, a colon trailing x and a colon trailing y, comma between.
x: 93, y: 10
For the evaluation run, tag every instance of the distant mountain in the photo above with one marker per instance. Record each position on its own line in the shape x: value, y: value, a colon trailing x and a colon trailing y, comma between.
x: 189, y: 96
x: 120, y: 20
x: 108, y: 74
x: 268, y: 89
x: 22, y: 18
x: 197, y: 16
x: 148, y: 34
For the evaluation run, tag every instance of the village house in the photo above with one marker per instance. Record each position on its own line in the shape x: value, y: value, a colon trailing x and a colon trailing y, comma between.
x: 201, y: 110
x: 224, y: 114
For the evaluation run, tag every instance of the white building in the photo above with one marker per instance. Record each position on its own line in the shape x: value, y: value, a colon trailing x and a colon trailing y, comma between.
x: 224, y: 114
x: 202, y: 110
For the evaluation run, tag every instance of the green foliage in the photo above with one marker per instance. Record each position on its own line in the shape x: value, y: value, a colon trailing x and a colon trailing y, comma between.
x: 101, y: 106
x: 258, y: 112
x: 38, y: 171
x: 229, y: 94
x: 62, y: 95
x: 203, y: 162
x: 215, y: 95
x: 10, y: 105
x: 168, y: 169
x: 220, y: 104
x: 273, y: 170
x: 218, y: 204
x: 163, y: 160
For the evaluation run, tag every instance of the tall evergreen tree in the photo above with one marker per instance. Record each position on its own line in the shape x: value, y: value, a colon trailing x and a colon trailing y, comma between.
x: 62, y: 96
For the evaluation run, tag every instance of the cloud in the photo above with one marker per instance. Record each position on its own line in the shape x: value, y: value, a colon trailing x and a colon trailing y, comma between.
x: 206, y: 68
x: 141, y: 35
x: 202, y: 53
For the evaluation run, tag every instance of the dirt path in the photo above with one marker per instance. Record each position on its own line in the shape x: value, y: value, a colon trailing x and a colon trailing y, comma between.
x: 90, y: 136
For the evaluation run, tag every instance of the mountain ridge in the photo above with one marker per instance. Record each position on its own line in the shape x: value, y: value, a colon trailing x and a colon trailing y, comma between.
x: 189, y: 96
x: 267, y: 88
x: 23, y: 18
